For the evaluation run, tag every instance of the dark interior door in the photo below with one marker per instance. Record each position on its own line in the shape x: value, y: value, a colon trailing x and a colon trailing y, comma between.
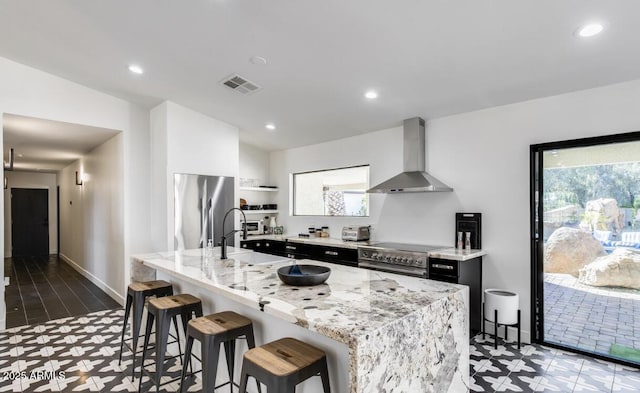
x: 29, y: 222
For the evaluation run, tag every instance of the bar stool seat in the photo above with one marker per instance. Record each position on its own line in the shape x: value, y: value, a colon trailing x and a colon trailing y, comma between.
x: 137, y: 294
x: 163, y: 310
x: 212, y: 330
x: 284, y: 363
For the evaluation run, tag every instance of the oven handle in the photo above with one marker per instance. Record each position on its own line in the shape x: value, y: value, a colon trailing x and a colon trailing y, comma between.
x: 407, y: 271
x: 441, y: 266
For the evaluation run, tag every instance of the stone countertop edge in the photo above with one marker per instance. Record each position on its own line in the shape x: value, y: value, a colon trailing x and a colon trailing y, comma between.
x: 455, y: 254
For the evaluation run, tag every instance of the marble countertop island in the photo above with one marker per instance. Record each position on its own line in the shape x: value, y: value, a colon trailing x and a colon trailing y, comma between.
x: 403, y: 334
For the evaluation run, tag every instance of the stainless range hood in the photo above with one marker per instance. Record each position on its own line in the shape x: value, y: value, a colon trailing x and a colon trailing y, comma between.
x: 414, y: 178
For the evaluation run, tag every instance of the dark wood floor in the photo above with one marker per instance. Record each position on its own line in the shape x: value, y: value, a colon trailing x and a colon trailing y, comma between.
x: 46, y: 288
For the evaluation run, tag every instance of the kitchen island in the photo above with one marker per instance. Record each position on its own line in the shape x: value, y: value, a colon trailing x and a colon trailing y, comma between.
x: 382, y: 332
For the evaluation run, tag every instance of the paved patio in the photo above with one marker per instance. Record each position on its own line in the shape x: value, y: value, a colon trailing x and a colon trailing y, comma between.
x: 590, y: 318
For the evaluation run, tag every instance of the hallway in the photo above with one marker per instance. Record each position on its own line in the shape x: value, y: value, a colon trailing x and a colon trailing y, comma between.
x: 45, y: 288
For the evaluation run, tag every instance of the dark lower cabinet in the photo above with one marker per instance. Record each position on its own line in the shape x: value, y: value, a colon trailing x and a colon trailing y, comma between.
x: 466, y: 273
x: 275, y: 247
x: 338, y: 255
x: 250, y: 244
x: 295, y: 250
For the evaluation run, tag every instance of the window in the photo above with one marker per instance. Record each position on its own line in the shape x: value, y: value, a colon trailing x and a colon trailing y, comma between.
x: 333, y: 192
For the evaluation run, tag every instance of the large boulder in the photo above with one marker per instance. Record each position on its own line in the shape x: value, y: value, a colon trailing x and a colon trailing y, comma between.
x: 621, y: 268
x: 569, y: 249
x: 602, y: 214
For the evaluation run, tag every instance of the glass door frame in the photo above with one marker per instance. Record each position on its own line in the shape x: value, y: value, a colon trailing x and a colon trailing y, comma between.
x: 536, y: 230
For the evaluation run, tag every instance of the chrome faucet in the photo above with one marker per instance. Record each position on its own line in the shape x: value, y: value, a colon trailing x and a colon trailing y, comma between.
x: 223, y: 244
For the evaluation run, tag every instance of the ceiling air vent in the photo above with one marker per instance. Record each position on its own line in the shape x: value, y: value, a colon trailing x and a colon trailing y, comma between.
x: 240, y: 84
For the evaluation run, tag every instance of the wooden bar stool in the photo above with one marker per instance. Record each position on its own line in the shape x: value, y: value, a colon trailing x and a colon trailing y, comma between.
x: 284, y: 363
x: 163, y: 310
x: 213, y: 330
x: 137, y: 294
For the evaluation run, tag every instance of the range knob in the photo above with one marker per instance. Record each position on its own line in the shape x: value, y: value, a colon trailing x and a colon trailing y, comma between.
x: 407, y: 261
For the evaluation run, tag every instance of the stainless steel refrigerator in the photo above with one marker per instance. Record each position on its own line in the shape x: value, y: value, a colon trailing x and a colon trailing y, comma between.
x: 200, y: 204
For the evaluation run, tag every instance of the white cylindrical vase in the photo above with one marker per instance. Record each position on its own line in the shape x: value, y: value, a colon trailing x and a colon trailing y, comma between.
x: 505, y: 302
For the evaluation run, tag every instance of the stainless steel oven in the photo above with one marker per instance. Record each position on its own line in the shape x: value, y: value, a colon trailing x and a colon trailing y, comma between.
x: 400, y: 258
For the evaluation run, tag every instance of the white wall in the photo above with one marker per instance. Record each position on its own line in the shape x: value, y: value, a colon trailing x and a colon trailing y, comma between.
x: 31, y: 180
x: 484, y: 156
x: 185, y: 141
x: 254, y: 164
x: 29, y: 92
x: 92, y: 226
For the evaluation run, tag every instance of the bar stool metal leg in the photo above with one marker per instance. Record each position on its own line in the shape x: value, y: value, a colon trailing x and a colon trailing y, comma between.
x: 147, y: 334
x: 495, y: 330
x: 187, y: 360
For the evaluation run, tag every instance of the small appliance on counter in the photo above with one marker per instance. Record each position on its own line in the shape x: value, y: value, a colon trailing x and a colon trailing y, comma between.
x: 254, y: 227
x: 355, y: 233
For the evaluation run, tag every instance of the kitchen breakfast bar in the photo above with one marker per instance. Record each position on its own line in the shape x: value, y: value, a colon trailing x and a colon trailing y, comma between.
x: 381, y: 332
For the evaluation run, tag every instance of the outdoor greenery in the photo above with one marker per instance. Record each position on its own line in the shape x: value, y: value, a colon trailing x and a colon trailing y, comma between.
x: 577, y: 185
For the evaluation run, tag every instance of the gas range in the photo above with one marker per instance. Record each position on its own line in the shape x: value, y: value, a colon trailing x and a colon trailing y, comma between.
x: 407, y: 259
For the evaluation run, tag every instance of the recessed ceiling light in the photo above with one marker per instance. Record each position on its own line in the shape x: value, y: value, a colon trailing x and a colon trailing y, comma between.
x: 258, y: 60
x: 20, y: 155
x: 136, y: 69
x: 590, y: 30
x: 270, y: 126
x: 371, y: 94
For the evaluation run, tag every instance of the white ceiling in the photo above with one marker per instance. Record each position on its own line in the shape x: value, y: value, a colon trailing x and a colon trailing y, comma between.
x: 426, y: 58
x: 46, y: 145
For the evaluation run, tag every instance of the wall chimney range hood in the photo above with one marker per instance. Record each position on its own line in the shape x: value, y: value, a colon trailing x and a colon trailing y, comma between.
x: 414, y: 178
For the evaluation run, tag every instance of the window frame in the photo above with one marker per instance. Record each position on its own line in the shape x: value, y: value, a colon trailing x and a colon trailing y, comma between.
x: 293, y: 190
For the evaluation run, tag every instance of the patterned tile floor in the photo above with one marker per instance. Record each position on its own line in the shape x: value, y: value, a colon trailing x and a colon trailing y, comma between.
x: 44, y: 288
x: 590, y: 318
x: 81, y: 354
x: 535, y: 368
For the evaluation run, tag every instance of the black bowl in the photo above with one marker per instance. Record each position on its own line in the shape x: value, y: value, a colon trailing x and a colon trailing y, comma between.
x: 307, y: 275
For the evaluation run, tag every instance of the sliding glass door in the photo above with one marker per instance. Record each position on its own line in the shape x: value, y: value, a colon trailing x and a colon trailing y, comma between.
x: 585, y: 208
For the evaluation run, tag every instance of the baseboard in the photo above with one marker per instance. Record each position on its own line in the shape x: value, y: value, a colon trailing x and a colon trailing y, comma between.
x: 95, y: 280
x: 3, y: 311
x: 525, y: 335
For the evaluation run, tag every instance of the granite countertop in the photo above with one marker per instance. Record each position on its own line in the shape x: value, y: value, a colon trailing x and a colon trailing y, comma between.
x: 455, y: 254
x: 329, y: 242
x: 351, y: 303
x: 389, y: 323
x: 268, y: 237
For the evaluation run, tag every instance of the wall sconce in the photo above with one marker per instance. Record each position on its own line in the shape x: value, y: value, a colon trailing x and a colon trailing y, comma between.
x: 78, y: 179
